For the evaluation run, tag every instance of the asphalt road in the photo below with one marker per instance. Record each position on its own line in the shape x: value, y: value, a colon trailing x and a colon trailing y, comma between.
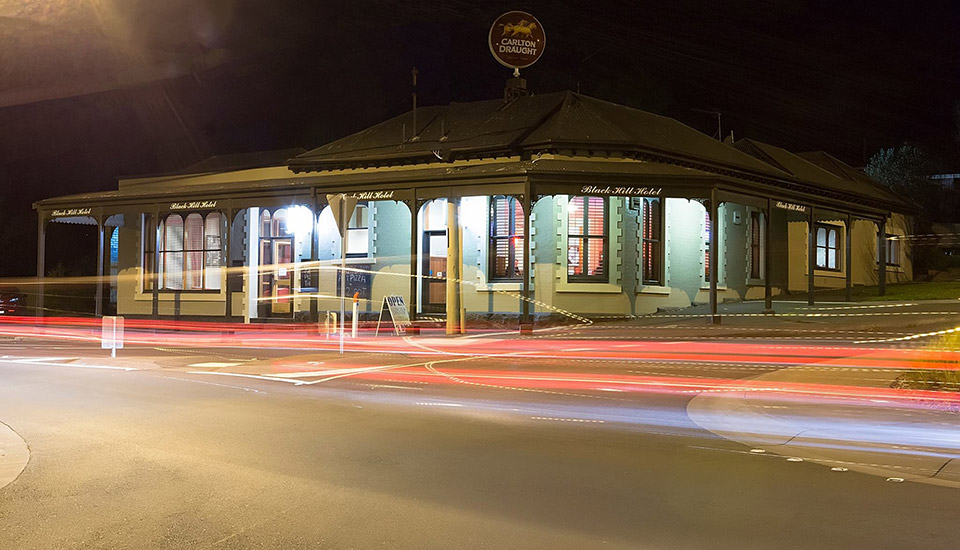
x: 162, y: 458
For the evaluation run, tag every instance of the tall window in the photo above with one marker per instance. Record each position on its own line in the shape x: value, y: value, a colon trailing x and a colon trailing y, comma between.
x: 587, y: 239
x: 893, y: 249
x: 827, y: 247
x: 506, y: 239
x: 706, y: 246
x: 190, y: 253
x: 652, y: 237
x: 149, y: 233
x: 358, y: 232
x: 756, y: 258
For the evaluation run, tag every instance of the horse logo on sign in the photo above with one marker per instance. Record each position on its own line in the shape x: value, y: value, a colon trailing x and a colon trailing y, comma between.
x: 517, y: 40
x: 523, y: 28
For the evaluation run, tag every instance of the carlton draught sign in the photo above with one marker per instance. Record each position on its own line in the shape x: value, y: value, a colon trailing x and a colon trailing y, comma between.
x: 517, y: 39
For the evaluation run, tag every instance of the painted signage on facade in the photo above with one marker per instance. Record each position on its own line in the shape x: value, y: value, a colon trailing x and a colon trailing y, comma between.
x: 372, y: 195
x: 628, y: 191
x: 517, y: 39
x: 791, y: 206
x: 71, y: 212
x: 193, y: 205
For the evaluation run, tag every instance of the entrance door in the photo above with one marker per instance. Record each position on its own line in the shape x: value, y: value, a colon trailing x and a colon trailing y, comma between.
x: 282, y: 304
x: 276, y: 278
x: 433, y: 290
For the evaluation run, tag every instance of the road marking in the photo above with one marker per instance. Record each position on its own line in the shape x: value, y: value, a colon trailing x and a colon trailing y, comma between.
x: 68, y: 365
x: 757, y: 451
x: 434, y: 404
x: 238, y: 375
x: 895, y: 479
x: 558, y: 419
x: 213, y: 365
x: 839, y: 469
x: 212, y: 384
x: 393, y: 387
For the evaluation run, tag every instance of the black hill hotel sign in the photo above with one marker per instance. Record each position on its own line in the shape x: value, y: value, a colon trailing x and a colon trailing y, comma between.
x: 69, y: 212
x: 193, y: 205
x: 621, y: 191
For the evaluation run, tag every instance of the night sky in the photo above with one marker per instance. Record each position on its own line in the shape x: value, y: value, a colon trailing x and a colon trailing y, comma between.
x: 94, y: 90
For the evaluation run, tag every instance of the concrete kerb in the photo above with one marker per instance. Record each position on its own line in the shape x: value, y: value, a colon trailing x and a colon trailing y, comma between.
x: 754, y: 420
x: 14, y: 455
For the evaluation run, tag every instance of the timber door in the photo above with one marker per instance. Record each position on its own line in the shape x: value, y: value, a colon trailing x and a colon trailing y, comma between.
x: 275, y: 285
x: 433, y: 290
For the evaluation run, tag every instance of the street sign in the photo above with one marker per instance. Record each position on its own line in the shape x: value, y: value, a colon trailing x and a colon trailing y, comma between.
x: 111, y: 334
x: 342, y: 207
x: 516, y: 40
x: 397, y: 310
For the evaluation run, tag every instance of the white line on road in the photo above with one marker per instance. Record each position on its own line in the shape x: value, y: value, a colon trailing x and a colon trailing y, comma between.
x: 212, y: 384
x: 238, y: 375
x: 68, y: 365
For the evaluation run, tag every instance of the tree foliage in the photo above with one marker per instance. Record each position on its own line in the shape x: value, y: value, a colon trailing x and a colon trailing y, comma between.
x: 906, y: 169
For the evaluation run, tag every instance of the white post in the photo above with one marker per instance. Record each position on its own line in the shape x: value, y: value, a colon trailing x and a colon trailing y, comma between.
x: 353, y: 328
x: 343, y: 267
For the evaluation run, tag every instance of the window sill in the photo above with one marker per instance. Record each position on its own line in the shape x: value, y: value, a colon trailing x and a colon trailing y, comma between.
x: 589, y: 288
x: 654, y: 289
x: 500, y: 287
x: 336, y: 262
x: 185, y: 296
x: 719, y: 287
x: 829, y: 273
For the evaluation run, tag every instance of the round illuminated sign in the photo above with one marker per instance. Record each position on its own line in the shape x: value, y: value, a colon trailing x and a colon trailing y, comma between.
x: 517, y: 39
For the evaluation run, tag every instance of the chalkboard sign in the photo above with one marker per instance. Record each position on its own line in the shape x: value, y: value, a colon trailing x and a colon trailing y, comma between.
x: 308, y: 279
x: 359, y: 280
x: 396, y: 308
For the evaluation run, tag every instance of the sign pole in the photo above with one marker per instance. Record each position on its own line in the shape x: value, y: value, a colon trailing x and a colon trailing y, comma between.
x: 343, y: 267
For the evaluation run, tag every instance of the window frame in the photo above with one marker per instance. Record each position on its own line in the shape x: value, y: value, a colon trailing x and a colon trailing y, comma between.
x: 510, y: 237
x: 892, y: 241
x: 756, y: 245
x: 656, y: 242
x: 150, y: 233
x: 161, y: 279
x: 827, y: 248
x: 365, y: 229
x: 706, y: 246
x: 604, y: 276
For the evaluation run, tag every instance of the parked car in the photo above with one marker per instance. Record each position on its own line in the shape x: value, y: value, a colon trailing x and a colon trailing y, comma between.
x: 12, y: 301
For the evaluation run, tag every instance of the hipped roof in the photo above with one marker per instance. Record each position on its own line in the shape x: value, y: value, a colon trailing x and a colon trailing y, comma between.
x: 531, y: 124
x: 567, y: 121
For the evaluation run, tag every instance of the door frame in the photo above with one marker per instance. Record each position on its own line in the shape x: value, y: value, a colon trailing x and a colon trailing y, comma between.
x: 425, y: 281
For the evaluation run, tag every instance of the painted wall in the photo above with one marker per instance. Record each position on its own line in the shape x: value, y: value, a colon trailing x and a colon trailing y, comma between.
x: 864, y: 254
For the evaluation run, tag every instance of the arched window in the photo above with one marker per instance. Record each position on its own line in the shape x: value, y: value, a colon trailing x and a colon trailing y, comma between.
x: 827, y: 247
x: 279, y: 226
x: 265, y: 223
x: 171, y: 252
x: 190, y: 252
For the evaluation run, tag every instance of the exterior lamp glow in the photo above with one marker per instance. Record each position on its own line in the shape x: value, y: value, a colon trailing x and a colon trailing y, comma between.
x: 300, y: 220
